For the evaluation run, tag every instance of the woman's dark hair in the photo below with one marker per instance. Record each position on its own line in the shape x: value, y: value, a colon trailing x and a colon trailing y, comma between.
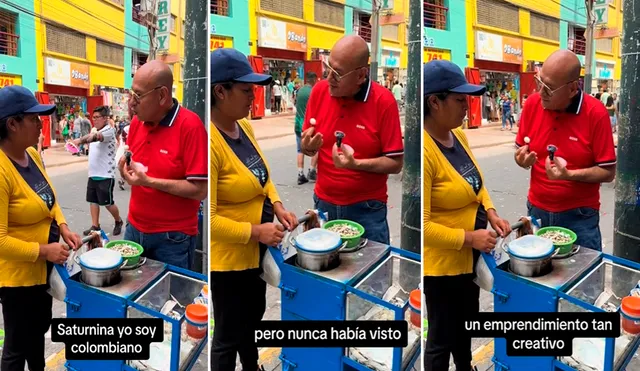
x: 427, y: 109
x: 225, y: 85
x: 4, y: 130
x: 610, y: 101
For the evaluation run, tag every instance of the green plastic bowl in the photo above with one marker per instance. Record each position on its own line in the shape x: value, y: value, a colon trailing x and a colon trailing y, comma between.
x: 351, y: 241
x: 131, y: 260
x: 1, y: 337
x: 563, y: 248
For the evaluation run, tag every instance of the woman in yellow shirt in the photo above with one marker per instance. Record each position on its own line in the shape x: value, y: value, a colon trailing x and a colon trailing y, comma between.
x: 31, y: 224
x: 457, y: 209
x: 244, y: 202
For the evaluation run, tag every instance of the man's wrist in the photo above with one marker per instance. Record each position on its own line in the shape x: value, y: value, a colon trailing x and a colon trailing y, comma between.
x: 356, y: 164
x: 569, y: 175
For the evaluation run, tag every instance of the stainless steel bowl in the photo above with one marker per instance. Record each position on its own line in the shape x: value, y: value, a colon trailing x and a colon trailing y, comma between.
x: 531, y: 267
x: 101, y: 277
x: 318, y: 262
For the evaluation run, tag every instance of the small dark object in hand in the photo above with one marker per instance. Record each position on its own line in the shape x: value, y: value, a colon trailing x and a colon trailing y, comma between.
x: 552, y: 151
x: 339, y: 137
x: 127, y: 158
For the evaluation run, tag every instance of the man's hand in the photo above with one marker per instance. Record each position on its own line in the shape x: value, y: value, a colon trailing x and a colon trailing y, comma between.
x: 77, y: 142
x: 557, y: 170
x: 524, y: 158
x: 344, y: 159
x: 133, y: 176
x: 311, y: 142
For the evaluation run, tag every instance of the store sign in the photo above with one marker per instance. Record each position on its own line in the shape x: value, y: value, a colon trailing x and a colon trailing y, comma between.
x: 65, y: 73
x: 604, y: 71
x: 498, y: 48
x: 282, y: 35
x: 390, y: 58
x: 220, y: 42
x: 426, y: 40
x: 6, y: 80
x: 436, y: 54
x: 601, y: 11
x: 163, y: 31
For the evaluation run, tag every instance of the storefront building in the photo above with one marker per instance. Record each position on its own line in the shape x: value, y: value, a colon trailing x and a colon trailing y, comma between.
x: 223, y: 24
x: 17, y: 55
x: 444, y: 32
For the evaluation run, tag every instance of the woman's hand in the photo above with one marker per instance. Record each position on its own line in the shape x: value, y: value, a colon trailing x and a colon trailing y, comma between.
x: 286, y: 218
x: 501, y: 226
x: 72, y: 239
x: 270, y: 234
x: 482, y: 240
x: 54, y: 252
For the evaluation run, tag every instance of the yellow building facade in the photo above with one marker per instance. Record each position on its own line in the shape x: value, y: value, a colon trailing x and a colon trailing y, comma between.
x: 607, y: 65
x: 82, y: 53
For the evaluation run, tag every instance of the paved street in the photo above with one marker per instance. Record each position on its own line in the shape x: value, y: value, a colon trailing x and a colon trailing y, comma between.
x: 70, y: 184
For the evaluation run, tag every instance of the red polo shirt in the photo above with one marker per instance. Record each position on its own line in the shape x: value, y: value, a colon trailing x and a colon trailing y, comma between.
x: 371, y: 123
x: 175, y: 149
x: 582, y: 135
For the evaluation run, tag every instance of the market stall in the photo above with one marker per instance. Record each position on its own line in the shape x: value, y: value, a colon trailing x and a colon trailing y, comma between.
x: 116, y: 282
x: 328, y: 274
x: 563, y: 277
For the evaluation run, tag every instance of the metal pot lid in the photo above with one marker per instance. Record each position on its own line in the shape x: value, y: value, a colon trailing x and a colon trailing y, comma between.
x: 101, y: 259
x: 318, y: 241
x: 530, y: 247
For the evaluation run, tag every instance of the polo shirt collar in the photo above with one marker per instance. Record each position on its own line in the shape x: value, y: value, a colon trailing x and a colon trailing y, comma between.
x: 171, y: 115
x: 363, y: 94
x: 576, y: 103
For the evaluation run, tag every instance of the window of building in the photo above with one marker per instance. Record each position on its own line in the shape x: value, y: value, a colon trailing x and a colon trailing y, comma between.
x: 136, y: 11
x: 137, y: 60
x: 220, y: 7
x: 390, y: 31
x: 329, y: 13
x: 576, y: 42
x: 292, y: 8
x: 66, y: 41
x: 109, y: 53
x: 174, y: 21
x: 604, y: 45
x: 182, y: 30
x: 545, y: 27
x: 499, y: 14
x: 434, y: 14
x: 361, y: 25
x: 8, y: 36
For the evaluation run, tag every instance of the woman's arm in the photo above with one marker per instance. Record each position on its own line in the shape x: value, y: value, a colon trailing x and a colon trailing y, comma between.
x: 12, y: 248
x: 437, y: 236
x: 223, y: 230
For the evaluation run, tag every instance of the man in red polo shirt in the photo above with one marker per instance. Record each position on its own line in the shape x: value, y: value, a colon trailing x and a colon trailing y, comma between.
x: 565, y: 190
x: 352, y: 179
x: 171, y: 142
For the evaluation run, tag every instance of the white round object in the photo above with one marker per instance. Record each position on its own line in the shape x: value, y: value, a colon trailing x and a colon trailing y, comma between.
x: 101, y: 258
x: 318, y: 240
x: 530, y: 247
x: 527, y: 140
x: 312, y: 121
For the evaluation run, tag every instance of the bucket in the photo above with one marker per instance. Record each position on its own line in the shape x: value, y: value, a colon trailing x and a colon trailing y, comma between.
x: 415, y: 303
x: 630, y: 313
x: 197, y: 316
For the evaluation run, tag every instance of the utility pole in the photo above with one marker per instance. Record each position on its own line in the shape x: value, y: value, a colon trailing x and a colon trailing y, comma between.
x: 375, y: 25
x: 588, y: 60
x: 195, y: 93
x: 411, y: 233
x: 626, y: 239
x: 149, y: 14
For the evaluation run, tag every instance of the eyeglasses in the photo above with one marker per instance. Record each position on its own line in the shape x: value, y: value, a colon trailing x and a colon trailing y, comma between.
x: 545, y: 89
x: 96, y: 117
x: 335, y: 73
x: 138, y: 97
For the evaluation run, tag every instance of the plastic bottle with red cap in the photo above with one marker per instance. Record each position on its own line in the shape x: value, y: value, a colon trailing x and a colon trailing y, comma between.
x: 415, y: 304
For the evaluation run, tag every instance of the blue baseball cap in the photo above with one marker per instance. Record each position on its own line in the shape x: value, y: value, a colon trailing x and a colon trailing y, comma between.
x: 229, y: 65
x: 16, y: 100
x: 440, y: 76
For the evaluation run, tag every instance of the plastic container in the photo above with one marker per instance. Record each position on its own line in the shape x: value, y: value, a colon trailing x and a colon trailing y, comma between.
x: 563, y: 248
x: 131, y: 259
x: 197, y: 316
x: 530, y: 247
x: 351, y: 241
x: 318, y: 241
x: 415, y: 304
x: 630, y: 314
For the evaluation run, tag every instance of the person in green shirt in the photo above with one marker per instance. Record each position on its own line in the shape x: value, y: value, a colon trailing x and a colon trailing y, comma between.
x: 302, y: 97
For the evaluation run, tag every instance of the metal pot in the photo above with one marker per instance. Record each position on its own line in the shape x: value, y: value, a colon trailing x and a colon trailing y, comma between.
x: 534, y: 267
x: 100, y: 277
x: 319, y: 262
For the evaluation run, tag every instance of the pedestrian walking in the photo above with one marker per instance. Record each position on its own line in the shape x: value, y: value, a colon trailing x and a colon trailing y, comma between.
x: 613, y: 113
x: 77, y: 132
x: 168, y: 172
x: 565, y: 191
x: 277, y: 96
x: 457, y: 211
x: 397, y: 94
x: 243, y: 203
x: 102, y: 170
x: 301, y: 108
x: 352, y: 179
x: 32, y: 223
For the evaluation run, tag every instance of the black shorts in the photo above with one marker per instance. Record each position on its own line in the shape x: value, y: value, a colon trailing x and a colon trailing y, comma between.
x: 100, y: 192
